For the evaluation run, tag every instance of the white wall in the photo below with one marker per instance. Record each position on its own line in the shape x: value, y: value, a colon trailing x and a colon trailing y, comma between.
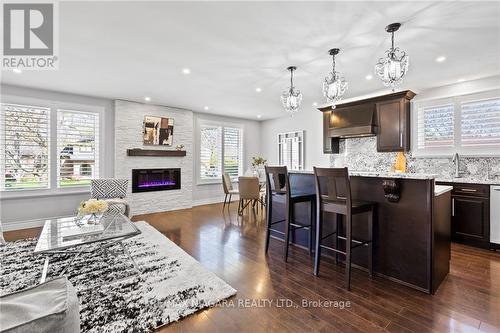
x: 309, y: 120
x: 211, y: 193
x: 13, y: 210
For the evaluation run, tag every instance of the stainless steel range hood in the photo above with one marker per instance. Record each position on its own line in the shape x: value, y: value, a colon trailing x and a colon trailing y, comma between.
x: 353, y: 121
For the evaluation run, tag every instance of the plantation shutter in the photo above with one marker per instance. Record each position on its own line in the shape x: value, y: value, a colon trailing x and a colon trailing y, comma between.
x: 480, y: 123
x: 210, y: 152
x: 436, y: 127
x: 24, y: 150
x: 233, y: 163
x: 78, y: 147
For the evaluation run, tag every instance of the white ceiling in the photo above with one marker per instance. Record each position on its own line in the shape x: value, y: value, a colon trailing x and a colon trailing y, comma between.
x: 129, y: 50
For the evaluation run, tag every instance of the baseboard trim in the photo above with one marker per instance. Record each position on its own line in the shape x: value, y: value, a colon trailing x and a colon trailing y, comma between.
x: 27, y: 224
x: 209, y: 201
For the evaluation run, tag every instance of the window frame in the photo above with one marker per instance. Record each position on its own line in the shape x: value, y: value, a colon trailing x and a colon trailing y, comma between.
x: 203, y: 122
x: 55, y: 105
x: 457, y: 102
x: 302, y: 157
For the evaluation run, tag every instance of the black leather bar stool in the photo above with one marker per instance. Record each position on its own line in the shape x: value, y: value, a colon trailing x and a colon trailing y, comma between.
x: 333, y: 194
x: 278, y: 190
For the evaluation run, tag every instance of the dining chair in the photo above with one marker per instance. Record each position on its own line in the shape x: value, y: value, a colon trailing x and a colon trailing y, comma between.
x: 227, y: 185
x: 249, y: 191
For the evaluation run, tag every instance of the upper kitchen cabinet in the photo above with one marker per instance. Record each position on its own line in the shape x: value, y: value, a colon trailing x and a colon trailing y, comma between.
x: 393, y: 120
x: 387, y: 117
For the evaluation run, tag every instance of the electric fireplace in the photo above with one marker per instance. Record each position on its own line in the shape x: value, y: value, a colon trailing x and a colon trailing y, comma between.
x: 147, y: 180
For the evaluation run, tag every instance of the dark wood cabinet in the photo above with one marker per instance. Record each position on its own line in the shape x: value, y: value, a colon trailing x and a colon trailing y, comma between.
x: 330, y: 145
x: 470, y: 214
x: 393, y: 125
x: 387, y: 117
x: 469, y: 218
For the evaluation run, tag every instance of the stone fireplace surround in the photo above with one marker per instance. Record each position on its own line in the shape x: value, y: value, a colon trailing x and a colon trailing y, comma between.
x: 128, y: 134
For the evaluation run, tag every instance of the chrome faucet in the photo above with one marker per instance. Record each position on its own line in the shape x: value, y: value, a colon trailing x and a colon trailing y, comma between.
x: 456, y: 160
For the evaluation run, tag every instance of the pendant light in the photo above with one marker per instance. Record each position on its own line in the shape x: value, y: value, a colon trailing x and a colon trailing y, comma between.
x: 291, y: 98
x: 393, y: 67
x: 334, y: 85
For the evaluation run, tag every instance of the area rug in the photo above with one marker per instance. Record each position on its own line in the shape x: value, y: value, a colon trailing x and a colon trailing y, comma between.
x: 113, y: 298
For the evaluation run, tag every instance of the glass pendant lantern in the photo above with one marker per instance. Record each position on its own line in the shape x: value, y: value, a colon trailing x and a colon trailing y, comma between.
x: 393, y: 67
x: 292, y: 97
x: 334, y: 85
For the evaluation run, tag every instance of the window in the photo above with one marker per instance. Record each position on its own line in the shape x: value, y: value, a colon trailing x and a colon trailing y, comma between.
x: 291, y: 150
x: 43, y: 148
x: 481, y: 123
x: 221, y: 150
x: 468, y: 125
x: 435, y: 126
x: 77, y: 146
x: 232, y: 151
x: 24, y: 151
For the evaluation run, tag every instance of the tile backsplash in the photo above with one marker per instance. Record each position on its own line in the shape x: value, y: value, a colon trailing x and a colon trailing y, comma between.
x: 361, y: 154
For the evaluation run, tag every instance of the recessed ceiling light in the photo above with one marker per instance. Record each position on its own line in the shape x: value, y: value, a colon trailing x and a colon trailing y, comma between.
x: 147, y: 99
x: 186, y: 71
x: 461, y: 80
x: 17, y: 71
x: 441, y: 59
x: 315, y: 104
x: 259, y: 116
x: 206, y: 108
x: 369, y: 77
x: 258, y: 89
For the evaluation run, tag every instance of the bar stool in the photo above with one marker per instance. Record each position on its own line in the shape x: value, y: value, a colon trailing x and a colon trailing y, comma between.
x: 278, y: 190
x: 333, y: 194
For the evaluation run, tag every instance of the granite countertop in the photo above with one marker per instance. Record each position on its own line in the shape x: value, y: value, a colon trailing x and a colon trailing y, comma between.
x: 441, y: 189
x: 380, y: 174
x: 467, y: 180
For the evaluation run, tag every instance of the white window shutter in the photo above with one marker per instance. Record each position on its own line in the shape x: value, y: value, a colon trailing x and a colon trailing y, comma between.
x: 480, y: 125
x: 233, y: 159
x: 210, y: 152
x: 78, y: 147
x: 24, y: 150
x: 435, y: 127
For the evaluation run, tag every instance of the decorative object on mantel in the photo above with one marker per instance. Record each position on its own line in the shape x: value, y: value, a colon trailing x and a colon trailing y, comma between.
x: 158, y: 131
x: 155, y: 152
x: 179, y: 147
x: 335, y: 84
x: 291, y: 98
x: 400, y: 164
x: 172, y: 284
x: 92, y: 207
x: 393, y: 67
x: 392, y: 189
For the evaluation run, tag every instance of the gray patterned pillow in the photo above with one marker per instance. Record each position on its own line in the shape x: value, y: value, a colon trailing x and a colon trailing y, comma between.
x: 108, y: 188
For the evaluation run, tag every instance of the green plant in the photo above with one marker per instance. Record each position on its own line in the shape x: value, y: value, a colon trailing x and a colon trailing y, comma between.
x: 258, y: 161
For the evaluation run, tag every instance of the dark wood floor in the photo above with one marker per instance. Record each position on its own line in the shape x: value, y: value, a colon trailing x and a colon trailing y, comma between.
x: 233, y: 248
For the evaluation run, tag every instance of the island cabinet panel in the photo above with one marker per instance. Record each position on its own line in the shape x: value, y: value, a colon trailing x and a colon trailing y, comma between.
x: 404, y: 233
x: 393, y: 125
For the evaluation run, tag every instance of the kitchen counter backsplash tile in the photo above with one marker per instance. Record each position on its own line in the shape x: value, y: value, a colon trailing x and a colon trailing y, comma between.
x: 361, y: 154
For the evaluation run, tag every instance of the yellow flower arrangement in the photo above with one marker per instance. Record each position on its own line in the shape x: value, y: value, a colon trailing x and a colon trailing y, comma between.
x: 93, y: 206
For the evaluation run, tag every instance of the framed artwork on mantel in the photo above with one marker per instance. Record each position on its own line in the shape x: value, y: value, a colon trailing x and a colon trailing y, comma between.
x: 158, y: 131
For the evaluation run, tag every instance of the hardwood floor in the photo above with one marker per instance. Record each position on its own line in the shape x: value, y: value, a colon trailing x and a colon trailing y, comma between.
x: 233, y: 248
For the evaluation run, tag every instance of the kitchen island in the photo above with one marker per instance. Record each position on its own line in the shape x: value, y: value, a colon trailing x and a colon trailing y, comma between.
x: 411, y: 232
